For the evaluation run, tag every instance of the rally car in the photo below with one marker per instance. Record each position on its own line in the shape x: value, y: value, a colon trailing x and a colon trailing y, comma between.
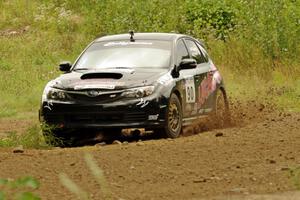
x: 155, y: 81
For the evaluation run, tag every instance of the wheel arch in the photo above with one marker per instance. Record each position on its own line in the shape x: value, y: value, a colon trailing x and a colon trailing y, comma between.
x: 178, y: 95
x: 167, y: 132
x: 221, y: 85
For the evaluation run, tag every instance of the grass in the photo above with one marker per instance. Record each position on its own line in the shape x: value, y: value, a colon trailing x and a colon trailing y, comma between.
x: 284, y: 93
x: 31, y: 138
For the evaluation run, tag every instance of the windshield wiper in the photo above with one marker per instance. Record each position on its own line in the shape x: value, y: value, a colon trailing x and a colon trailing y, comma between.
x: 78, y: 69
x: 119, y: 68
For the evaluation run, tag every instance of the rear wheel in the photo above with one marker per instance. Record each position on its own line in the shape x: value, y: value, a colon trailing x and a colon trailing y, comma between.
x: 222, y: 114
x: 173, y: 119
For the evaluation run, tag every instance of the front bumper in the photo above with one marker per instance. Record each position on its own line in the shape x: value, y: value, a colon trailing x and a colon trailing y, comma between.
x: 138, y: 113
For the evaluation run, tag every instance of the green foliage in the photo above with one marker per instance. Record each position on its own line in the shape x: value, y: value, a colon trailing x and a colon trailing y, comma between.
x: 17, y: 188
x: 272, y: 25
x: 210, y: 18
x: 51, y: 137
x: 25, y: 182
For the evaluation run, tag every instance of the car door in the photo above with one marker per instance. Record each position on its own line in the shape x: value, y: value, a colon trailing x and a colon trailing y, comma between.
x: 211, y: 81
x: 202, y: 76
x: 187, y: 82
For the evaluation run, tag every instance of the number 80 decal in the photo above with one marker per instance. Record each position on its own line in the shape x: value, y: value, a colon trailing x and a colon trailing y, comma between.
x: 190, y: 90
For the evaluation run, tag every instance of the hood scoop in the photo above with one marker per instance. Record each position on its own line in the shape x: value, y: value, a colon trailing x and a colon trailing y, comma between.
x: 102, y: 75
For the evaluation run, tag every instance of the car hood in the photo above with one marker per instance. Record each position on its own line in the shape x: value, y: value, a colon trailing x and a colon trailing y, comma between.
x: 108, y: 78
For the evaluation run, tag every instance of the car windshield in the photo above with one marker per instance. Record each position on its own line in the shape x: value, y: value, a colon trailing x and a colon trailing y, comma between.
x: 126, y: 54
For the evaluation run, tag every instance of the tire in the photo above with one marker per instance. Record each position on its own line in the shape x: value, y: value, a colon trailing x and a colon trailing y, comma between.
x: 221, y: 111
x: 173, y: 118
x: 54, y: 136
x: 112, y: 134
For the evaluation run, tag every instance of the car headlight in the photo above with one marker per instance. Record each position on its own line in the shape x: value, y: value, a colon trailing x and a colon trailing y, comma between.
x: 55, y: 94
x: 51, y: 93
x: 138, y: 92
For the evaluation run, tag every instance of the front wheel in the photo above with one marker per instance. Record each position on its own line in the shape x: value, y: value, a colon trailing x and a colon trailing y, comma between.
x: 58, y: 138
x: 111, y: 134
x: 173, y: 118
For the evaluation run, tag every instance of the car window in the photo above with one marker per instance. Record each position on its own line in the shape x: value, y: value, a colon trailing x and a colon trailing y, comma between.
x: 195, y: 52
x: 138, y: 54
x: 203, y: 51
x: 182, y: 52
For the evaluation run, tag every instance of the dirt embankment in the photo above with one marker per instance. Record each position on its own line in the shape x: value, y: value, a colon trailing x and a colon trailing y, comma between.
x: 255, y: 156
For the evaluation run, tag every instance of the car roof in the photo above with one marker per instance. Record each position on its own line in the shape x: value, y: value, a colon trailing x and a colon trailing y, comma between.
x: 142, y: 36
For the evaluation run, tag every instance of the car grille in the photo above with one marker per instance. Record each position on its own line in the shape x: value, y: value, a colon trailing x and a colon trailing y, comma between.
x: 136, y: 116
x: 101, y: 98
x: 100, y: 118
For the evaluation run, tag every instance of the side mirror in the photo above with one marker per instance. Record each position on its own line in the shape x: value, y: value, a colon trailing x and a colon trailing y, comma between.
x: 188, y: 63
x: 65, y: 66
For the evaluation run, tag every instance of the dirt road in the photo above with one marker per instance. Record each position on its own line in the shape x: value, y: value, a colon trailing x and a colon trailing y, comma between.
x: 256, y: 156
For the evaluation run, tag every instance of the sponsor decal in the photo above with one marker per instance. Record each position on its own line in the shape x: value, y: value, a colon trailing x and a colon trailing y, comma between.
x: 208, y: 85
x: 201, y: 111
x: 48, y: 105
x: 93, y: 93
x: 208, y: 110
x: 153, y: 117
x: 217, y: 78
x: 205, y: 89
x: 190, y: 90
x: 124, y: 43
x: 142, y: 103
x: 94, y: 86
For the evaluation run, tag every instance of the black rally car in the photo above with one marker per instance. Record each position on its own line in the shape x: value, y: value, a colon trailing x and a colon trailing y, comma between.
x: 156, y: 81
